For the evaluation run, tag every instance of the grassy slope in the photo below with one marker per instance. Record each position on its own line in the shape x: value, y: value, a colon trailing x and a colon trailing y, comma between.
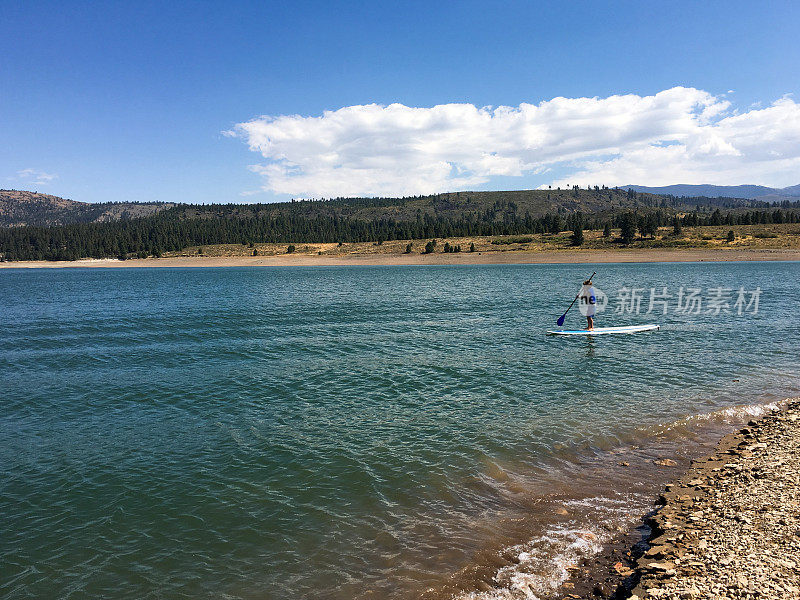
x: 757, y: 237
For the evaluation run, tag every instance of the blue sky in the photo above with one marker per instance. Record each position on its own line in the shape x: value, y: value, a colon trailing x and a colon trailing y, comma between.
x: 130, y: 101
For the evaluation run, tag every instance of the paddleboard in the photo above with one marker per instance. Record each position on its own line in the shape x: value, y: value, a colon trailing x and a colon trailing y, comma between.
x: 606, y: 330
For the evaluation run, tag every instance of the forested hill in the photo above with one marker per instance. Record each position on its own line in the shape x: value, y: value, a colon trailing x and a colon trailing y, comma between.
x: 118, y: 230
x: 21, y: 208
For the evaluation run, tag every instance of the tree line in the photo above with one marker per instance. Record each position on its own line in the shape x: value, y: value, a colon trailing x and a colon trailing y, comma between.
x: 173, y: 230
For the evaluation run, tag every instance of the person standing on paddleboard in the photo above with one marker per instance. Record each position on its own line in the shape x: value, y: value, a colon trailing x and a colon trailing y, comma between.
x: 588, y: 303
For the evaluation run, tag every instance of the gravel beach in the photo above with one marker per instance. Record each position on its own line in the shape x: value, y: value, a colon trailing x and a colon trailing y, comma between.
x: 729, y: 528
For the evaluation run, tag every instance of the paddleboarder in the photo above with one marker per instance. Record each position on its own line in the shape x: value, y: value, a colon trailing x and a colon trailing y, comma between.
x: 560, y: 320
x: 588, y: 303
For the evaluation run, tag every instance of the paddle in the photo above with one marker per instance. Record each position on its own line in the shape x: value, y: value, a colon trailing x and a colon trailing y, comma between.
x: 560, y: 321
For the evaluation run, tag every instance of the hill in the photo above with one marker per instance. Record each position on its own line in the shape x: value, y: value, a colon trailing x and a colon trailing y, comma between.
x: 755, y: 192
x: 141, y: 230
x: 20, y: 208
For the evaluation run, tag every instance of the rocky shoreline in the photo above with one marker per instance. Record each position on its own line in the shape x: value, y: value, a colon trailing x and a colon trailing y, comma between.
x: 729, y: 528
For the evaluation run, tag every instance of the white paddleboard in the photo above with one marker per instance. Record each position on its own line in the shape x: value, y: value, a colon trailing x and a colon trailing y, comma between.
x: 606, y: 330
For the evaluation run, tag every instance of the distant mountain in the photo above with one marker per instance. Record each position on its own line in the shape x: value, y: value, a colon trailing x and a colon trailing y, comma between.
x: 755, y: 192
x: 19, y: 208
x: 792, y: 190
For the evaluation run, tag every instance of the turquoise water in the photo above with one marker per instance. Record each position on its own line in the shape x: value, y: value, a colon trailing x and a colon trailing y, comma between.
x: 359, y: 432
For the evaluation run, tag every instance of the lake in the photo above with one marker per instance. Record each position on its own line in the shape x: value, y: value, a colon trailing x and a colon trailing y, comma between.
x: 359, y: 432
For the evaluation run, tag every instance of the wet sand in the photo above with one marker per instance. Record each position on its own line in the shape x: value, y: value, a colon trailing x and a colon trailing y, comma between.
x: 565, y: 256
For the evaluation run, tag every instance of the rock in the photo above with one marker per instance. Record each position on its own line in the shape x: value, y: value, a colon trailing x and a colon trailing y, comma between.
x: 661, y: 566
x: 603, y: 590
x: 665, y: 462
x: 656, y: 552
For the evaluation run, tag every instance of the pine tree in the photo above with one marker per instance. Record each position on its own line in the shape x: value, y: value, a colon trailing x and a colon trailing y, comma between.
x: 627, y: 227
x: 577, y: 235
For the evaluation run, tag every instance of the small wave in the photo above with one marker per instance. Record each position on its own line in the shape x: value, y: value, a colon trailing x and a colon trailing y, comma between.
x: 542, y: 564
x: 730, y: 415
x: 734, y: 414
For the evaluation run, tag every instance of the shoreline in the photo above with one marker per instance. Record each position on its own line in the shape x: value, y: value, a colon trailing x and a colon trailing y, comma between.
x: 706, y: 527
x: 566, y: 256
x: 585, y: 541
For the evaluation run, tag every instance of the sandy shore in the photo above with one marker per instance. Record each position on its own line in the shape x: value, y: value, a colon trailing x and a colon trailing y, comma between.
x: 566, y: 256
x: 728, y: 529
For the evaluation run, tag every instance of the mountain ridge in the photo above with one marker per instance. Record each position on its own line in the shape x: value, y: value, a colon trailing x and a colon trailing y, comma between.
x: 747, y: 191
x: 19, y: 208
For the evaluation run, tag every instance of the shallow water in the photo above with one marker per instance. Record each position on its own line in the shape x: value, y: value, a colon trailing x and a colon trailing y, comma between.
x: 352, y: 432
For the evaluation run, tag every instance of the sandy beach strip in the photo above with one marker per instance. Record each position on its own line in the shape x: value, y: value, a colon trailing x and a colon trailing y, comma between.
x: 566, y: 256
x: 728, y: 529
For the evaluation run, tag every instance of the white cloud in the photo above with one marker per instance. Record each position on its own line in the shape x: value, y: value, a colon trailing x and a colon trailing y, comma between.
x: 36, y: 176
x: 680, y: 135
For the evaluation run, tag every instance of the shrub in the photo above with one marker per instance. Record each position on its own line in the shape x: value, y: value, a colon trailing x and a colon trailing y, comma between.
x: 290, y: 249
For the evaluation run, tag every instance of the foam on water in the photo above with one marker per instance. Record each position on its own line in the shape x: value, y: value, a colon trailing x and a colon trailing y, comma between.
x: 540, y: 565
